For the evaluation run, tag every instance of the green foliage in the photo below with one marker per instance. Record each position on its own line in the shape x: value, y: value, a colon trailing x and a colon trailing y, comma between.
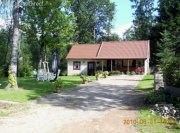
x: 12, y: 80
x: 25, y: 68
x: 132, y: 73
x: 94, y: 19
x: 129, y: 34
x: 84, y: 77
x: 64, y: 73
x: 4, y: 51
x: 143, y: 19
x: 97, y: 75
x: 105, y: 74
x: 58, y: 83
x: 115, y: 73
x: 48, y: 28
x: 169, y: 62
x: 156, y: 96
x: 111, y: 37
x: 128, y: 73
x: 169, y: 16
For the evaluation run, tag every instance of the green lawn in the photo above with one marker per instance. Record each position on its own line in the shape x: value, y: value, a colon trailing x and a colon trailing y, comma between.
x: 146, y: 84
x: 31, y: 89
x: 153, y: 123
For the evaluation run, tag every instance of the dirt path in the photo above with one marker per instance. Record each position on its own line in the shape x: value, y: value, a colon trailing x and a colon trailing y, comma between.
x: 99, y: 107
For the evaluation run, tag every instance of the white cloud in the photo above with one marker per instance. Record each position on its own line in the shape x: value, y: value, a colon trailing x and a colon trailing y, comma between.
x: 121, y: 29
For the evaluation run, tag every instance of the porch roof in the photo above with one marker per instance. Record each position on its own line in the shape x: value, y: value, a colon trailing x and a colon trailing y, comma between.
x: 111, y: 50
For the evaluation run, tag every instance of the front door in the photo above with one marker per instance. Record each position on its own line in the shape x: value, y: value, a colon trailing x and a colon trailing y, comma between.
x: 91, y: 68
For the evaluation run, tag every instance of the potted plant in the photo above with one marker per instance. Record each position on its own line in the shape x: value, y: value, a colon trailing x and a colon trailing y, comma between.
x: 58, y: 85
x: 105, y: 74
x: 97, y: 75
x: 84, y: 78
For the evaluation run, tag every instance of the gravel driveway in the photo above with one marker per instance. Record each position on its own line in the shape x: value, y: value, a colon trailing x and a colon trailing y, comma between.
x: 98, y: 107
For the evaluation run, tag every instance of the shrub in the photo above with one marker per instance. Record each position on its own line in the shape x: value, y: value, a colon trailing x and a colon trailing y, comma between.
x: 128, y: 73
x: 25, y: 71
x: 84, y: 78
x: 115, y: 73
x: 58, y: 83
x: 2, y: 72
x: 105, y: 74
x: 64, y: 73
x: 133, y: 73
x: 97, y: 75
x: 156, y: 96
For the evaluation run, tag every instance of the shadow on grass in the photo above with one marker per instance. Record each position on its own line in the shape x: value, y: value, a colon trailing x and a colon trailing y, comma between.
x: 30, y: 89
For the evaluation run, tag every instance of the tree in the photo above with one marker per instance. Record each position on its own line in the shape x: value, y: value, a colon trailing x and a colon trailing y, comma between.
x: 129, y: 34
x: 170, y: 63
x: 143, y: 18
x: 12, y: 78
x: 169, y: 16
x: 47, y: 27
x: 168, y: 20
x: 111, y: 37
x: 94, y: 19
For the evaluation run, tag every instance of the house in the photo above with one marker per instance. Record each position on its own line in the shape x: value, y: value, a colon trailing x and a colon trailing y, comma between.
x: 124, y: 56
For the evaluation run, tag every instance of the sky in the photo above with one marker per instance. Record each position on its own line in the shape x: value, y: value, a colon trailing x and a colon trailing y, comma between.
x: 123, y: 17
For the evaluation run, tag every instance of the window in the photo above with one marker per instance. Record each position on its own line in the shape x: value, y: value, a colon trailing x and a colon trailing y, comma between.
x: 76, y: 65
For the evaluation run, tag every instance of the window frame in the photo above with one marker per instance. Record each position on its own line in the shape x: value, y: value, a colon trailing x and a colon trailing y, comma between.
x: 74, y: 68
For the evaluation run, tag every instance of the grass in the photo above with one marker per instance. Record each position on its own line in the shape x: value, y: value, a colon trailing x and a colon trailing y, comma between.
x: 146, y: 84
x: 152, y: 123
x: 73, y: 81
x: 155, y: 124
x: 31, y: 89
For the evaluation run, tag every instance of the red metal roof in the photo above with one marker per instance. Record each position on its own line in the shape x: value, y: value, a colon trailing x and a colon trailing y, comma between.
x: 111, y: 50
x: 124, y: 50
x: 83, y: 51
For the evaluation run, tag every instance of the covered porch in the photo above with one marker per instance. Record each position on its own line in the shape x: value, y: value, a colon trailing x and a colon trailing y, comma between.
x: 122, y: 65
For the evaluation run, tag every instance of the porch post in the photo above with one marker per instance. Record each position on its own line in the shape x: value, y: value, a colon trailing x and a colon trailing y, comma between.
x: 111, y: 65
x: 128, y: 66
x: 95, y: 65
x: 102, y: 66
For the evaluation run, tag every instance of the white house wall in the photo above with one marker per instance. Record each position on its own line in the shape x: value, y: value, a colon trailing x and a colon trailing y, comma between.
x: 83, y: 67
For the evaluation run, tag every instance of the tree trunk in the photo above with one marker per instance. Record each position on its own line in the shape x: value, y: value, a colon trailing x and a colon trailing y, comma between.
x: 12, y: 78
